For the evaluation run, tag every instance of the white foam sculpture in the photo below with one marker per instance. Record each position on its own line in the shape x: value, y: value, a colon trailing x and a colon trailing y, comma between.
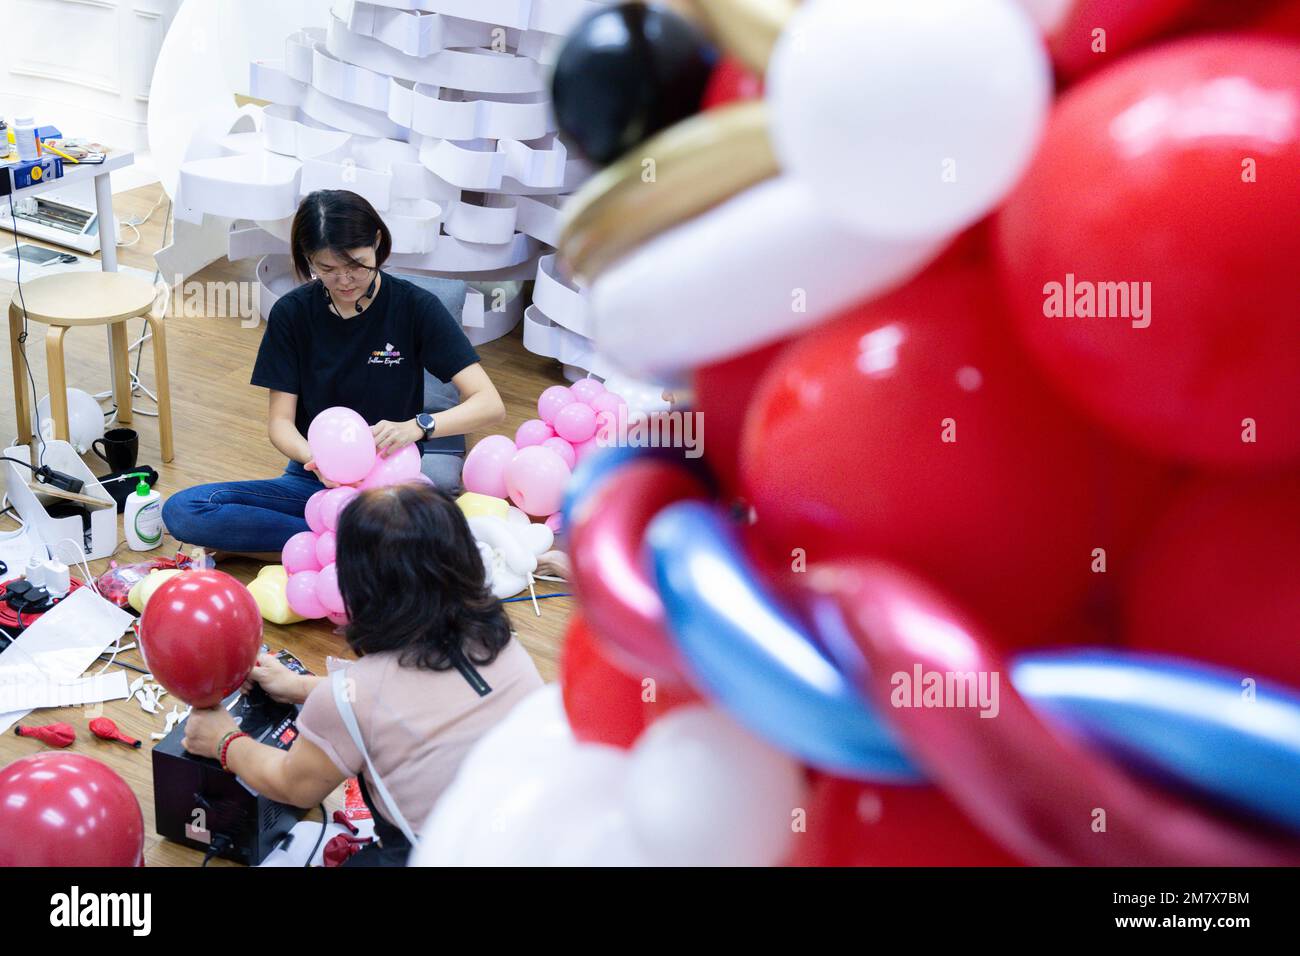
x: 437, y: 111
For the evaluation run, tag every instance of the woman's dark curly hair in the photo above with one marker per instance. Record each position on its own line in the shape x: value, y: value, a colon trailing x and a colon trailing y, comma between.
x: 413, y: 581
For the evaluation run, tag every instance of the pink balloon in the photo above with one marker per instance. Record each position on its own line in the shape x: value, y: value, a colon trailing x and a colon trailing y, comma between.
x: 331, y: 506
x: 533, y: 432
x: 575, y: 422
x: 535, y: 479
x: 608, y: 402
x: 398, y: 468
x: 563, y: 449
x: 327, y: 589
x: 556, y: 522
x: 341, y: 444
x: 585, y: 448
x: 301, y: 593
x: 485, y: 466
x: 338, y: 620
x: 586, y: 390
x: 551, y: 401
x: 299, y: 553
x: 312, y: 511
x: 326, y: 545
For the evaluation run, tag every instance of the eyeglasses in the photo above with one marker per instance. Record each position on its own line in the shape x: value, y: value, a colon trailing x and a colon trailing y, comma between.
x: 356, y: 273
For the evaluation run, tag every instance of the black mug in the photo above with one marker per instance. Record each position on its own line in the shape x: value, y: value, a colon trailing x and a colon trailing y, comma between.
x: 120, y: 448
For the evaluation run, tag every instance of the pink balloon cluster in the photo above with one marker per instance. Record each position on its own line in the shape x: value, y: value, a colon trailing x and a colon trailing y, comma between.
x: 534, y: 468
x: 344, y: 451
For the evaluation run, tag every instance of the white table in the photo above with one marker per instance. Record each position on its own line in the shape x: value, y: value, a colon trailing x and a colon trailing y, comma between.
x: 74, y: 173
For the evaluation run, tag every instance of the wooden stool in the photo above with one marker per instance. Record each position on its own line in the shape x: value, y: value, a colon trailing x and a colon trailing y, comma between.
x: 76, y: 299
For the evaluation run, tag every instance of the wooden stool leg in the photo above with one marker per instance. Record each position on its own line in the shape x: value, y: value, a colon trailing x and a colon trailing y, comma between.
x: 22, y: 398
x: 162, y: 386
x: 121, y: 362
x: 58, y: 380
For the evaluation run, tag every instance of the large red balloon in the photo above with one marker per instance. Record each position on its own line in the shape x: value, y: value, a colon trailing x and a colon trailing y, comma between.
x: 914, y: 429
x: 200, y: 634
x: 1041, y: 792
x: 66, y: 809
x: 1219, y: 579
x: 1077, y: 48
x: 611, y: 575
x: 1179, y: 169
x: 851, y: 823
x: 605, y: 704
x: 722, y: 395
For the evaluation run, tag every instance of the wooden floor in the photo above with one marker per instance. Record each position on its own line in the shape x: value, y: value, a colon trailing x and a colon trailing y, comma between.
x: 220, y: 426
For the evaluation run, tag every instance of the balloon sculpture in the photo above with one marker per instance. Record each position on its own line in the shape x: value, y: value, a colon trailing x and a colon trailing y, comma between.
x: 534, y: 469
x: 66, y: 809
x: 1012, y: 579
x: 343, y: 449
x: 200, y: 634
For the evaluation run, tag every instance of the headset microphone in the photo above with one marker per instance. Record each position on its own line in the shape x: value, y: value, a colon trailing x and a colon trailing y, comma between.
x: 370, y: 291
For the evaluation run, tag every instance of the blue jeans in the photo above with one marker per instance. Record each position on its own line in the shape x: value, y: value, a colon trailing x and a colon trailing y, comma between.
x: 263, y: 515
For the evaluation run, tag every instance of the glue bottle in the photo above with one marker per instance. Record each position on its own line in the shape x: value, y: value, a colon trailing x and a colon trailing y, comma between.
x: 142, y: 519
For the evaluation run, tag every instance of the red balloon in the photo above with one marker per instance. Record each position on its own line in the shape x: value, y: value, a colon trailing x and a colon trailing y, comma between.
x: 1219, y: 578
x: 1076, y: 47
x: 607, y: 705
x: 729, y: 82
x: 913, y: 429
x: 200, y: 634
x: 610, y: 574
x: 66, y: 809
x: 722, y: 395
x: 1175, y: 174
x: 1034, y: 788
x: 851, y: 823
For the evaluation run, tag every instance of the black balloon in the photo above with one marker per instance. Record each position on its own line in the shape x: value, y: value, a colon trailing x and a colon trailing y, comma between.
x: 624, y: 74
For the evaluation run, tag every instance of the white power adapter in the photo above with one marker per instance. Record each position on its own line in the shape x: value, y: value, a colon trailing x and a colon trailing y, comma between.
x: 57, y: 579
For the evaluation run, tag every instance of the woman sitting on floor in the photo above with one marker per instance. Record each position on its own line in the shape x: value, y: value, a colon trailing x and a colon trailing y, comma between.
x: 354, y: 336
x: 437, y: 669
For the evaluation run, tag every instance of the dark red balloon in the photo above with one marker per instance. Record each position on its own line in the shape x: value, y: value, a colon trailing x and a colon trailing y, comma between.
x: 1219, y: 578
x: 1175, y: 174
x: 729, y: 82
x: 611, y: 575
x: 1076, y: 47
x: 66, y: 809
x: 722, y: 395
x: 200, y: 634
x: 914, y: 429
x: 605, y: 704
x: 851, y: 823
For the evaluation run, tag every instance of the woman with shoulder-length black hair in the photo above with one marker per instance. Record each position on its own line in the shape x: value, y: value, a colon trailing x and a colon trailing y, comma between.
x: 437, y: 668
x: 350, y: 335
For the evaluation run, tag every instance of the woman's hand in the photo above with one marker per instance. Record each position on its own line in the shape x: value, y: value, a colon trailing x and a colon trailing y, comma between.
x: 312, y: 467
x: 281, y: 684
x: 204, y: 730
x: 393, y: 436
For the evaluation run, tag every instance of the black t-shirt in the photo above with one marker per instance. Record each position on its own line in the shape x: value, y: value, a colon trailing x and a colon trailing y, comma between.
x: 373, y: 363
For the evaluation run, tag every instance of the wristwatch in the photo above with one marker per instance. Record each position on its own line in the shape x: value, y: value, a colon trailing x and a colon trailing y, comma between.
x: 426, y: 422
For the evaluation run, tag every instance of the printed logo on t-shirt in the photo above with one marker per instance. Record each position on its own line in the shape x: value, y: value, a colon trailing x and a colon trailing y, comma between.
x: 389, y: 356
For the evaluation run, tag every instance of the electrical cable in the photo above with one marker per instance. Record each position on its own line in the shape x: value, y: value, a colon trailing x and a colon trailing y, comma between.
x: 324, y: 825
x: 22, y: 336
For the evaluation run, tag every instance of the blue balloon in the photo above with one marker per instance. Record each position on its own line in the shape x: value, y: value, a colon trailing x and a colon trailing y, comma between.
x: 754, y: 659
x: 1184, y: 722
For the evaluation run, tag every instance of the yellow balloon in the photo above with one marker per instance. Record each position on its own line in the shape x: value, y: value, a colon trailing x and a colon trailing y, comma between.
x: 143, y: 589
x: 269, y: 591
x: 475, y: 505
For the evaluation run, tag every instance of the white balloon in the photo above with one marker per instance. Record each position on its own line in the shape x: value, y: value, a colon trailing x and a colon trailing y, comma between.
x: 757, y: 268
x: 702, y: 791
x: 516, y: 516
x: 641, y: 396
x: 537, y: 538
x: 85, y: 420
x: 908, y: 119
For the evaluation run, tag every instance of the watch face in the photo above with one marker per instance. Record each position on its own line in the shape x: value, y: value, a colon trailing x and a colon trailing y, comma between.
x: 425, y: 421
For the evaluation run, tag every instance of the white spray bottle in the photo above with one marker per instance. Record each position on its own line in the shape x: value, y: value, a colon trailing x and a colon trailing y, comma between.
x: 142, y: 519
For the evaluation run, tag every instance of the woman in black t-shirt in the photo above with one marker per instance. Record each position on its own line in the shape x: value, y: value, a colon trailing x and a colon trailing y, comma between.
x: 354, y: 336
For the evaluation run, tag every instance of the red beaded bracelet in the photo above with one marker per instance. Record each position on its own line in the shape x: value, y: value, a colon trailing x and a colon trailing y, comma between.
x: 225, y: 745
